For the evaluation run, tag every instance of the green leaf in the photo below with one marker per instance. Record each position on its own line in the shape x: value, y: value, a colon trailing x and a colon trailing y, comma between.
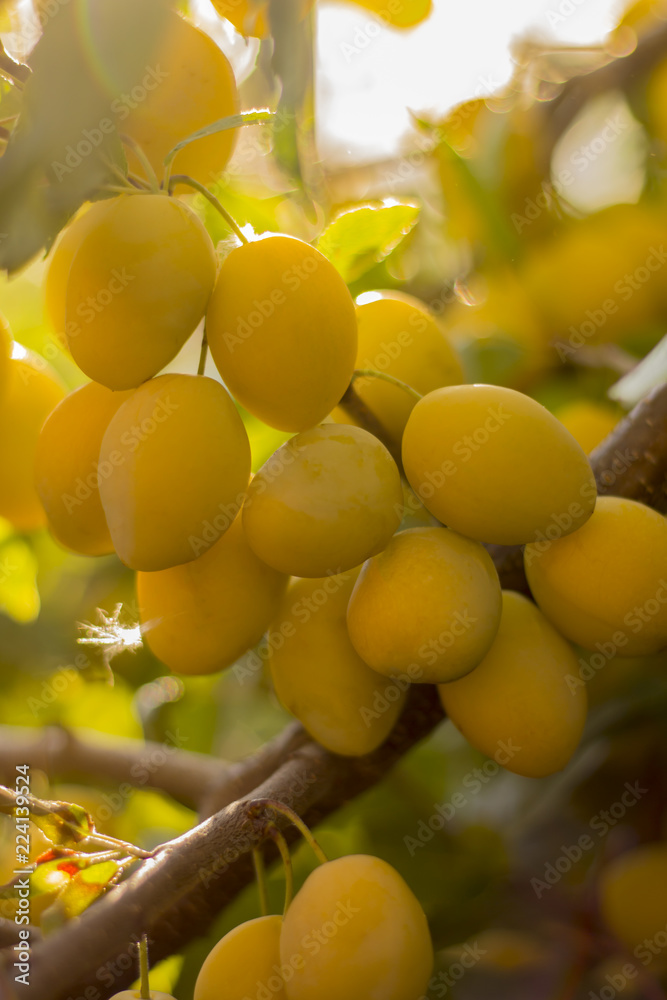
x: 57, y: 155
x: 67, y: 823
x: 463, y: 183
x: 54, y: 870
x: 82, y: 890
x: 362, y: 237
x: 19, y: 597
x: 293, y: 67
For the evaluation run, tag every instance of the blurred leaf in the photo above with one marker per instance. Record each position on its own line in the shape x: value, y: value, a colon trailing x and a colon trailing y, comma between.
x: 164, y: 975
x: 151, y: 818
x: 247, y: 209
x: 193, y: 719
x: 82, y: 890
x: 473, y: 206
x: 292, y: 63
x: 89, y: 54
x: 493, y: 360
x: 98, y: 706
x: 19, y: 597
x: 364, y: 236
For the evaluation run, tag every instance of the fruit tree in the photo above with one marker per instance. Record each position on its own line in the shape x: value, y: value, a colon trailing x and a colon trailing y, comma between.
x: 333, y: 495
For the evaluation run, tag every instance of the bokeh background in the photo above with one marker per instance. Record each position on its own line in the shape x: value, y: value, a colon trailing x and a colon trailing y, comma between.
x: 514, y: 259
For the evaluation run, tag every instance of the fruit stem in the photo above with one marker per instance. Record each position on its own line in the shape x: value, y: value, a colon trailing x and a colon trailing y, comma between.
x: 130, y: 180
x: 138, y: 182
x: 260, y: 873
x: 120, y: 845
x: 281, y: 844
x: 185, y: 179
x: 203, y: 354
x: 369, y: 373
x: 151, y: 176
x: 222, y: 125
x: 144, y: 988
x: 259, y: 805
x: 118, y: 189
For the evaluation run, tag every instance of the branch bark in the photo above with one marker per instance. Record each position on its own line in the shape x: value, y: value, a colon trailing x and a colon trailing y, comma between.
x: 175, y: 896
x: 187, y: 777
x: 9, y: 934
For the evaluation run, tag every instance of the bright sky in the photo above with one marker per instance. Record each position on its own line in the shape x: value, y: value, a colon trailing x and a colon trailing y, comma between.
x: 369, y: 74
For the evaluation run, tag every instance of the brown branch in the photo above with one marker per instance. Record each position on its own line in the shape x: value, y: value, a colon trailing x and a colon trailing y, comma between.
x: 176, y: 895
x: 9, y: 933
x: 243, y: 776
x: 186, y: 776
x: 632, y: 460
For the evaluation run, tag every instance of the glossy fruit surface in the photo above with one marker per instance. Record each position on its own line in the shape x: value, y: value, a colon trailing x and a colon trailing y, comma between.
x: 589, y: 423
x: 325, y: 501
x: 517, y: 706
x: 495, y: 465
x: 201, y: 617
x: 182, y: 462
x: 31, y: 393
x: 430, y: 601
x: 399, y: 336
x: 320, y: 679
x: 607, y: 584
x: 5, y: 353
x: 633, y: 896
x: 59, y: 263
x: 136, y: 995
x: 356, y: 930
x: 196, y: 88
x: 244, y: 963
x: 282, y: 331
x: 68, y: 470
x: 137, y: 287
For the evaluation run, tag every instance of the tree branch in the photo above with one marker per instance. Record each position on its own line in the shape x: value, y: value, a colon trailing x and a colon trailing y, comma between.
x: 186, y: 776
x: 175, y: 896
x: 9, y: 934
